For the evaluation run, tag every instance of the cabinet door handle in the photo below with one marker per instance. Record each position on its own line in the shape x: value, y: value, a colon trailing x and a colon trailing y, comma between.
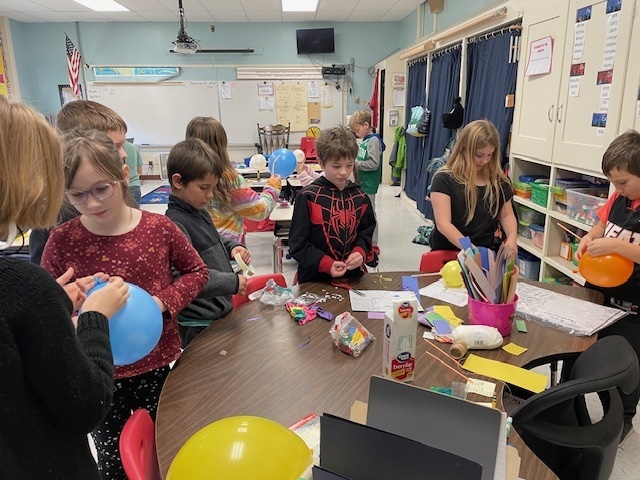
x: 559, y: 114
x: 550, y: 113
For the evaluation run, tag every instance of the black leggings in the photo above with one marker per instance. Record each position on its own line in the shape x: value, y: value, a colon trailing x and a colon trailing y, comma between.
x: 129, y: 394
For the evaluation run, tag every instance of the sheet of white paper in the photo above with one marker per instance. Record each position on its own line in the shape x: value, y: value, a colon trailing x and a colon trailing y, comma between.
x: 569, y: 314
x: 481, y: 387
x: 378, y: 300
x: 437, y: 290
x: 578, y: 42
x: 574, y: 87
x: 267, y: 102
x: 398, y: 97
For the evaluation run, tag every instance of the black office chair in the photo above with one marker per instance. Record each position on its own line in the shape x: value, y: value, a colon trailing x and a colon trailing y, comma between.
x: 556, y: 426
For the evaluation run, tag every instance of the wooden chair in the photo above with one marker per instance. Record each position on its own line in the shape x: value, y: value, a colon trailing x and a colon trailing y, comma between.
x: 433, y: 261
x: 272, y: 137
x: 138, y: 447
x: 255, y: 283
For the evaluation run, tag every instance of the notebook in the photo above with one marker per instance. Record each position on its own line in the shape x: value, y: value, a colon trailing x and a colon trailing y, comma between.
x: 441, y: 421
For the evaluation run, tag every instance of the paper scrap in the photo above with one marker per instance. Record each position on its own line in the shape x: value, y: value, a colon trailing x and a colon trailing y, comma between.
x: 442, y: 327
x: 428, y: 335
x: 481, y: 387
x: 514, y: 349
x: 433, y: 317
x: 376, y: 315
x: 454, y: 296
x: 532, y: 381
x: 448, y: 314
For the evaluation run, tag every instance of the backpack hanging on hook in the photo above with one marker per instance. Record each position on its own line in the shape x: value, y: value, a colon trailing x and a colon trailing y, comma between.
x: 453, y: 120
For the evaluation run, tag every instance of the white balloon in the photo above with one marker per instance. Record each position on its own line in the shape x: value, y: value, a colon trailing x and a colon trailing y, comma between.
x: 258, y: 161
x: 300, y: 156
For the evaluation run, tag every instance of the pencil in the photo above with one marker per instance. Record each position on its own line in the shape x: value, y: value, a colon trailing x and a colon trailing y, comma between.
x: 450, y: 368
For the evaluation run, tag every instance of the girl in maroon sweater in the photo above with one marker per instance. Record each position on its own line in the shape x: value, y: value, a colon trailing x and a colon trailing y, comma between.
x: 141, y: 247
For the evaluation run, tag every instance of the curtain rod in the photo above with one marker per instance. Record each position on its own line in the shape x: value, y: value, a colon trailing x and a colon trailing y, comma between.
x: 430, y: 43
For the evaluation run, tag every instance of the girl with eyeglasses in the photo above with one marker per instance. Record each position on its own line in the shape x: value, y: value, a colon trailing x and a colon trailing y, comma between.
x: 57, y: 380
x: 139, y: 246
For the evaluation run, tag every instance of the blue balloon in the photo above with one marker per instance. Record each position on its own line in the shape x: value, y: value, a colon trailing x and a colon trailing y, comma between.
x: 136, y: 329
x: 282, y: 162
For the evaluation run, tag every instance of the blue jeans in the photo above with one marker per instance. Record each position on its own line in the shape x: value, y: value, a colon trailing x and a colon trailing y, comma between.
x: 136, y: 194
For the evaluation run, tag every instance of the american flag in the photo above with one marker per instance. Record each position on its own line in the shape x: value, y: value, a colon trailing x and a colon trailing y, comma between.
x: 74, y: 60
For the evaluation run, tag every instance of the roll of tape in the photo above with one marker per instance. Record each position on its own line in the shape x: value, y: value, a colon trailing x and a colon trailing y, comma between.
x: 247, y: 270
x: 458, y: 349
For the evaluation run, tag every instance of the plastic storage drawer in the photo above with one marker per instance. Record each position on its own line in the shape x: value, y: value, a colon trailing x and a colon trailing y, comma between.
x: 537, y: 235
x: 583, y: 203
x: 529, y: 215
x: 528, y: 265
x: 540, y: 193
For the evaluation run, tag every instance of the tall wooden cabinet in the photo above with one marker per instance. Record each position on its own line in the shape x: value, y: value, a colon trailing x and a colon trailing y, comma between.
x: 555, y: 132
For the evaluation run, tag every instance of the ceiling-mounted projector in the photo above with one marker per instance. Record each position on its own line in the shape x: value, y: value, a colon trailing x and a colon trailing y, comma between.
x: 185, y: 47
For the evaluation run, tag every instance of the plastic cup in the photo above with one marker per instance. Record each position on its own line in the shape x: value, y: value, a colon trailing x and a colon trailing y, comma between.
x: 498, y: 315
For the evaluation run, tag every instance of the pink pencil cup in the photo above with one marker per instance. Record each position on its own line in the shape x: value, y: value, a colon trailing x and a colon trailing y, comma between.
x: 498, y: 315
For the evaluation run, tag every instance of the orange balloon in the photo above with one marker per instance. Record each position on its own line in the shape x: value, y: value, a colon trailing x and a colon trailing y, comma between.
x: 606, y: 271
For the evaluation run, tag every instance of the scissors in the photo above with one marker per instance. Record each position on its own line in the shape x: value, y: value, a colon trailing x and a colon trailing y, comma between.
x: 346, y: 286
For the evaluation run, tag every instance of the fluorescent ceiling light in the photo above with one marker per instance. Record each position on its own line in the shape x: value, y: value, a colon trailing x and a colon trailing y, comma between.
x: 103, y: 5
x: 299, y: 5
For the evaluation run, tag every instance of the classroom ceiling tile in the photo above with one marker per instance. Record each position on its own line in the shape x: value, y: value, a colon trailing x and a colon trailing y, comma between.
x: 395, y: 15
x: 374, y: 5
x: 160, y: 16
x: 337, y: 5
x: 216, y: 10
x: 124, y: 16
x: 372, y: 16
x: 264, y: 16
x: 332, y: 16
x: 223, y: 5
x: 51, y: 16
x: 273, y: 6
x: 230, y: 17
x: 145, y: 5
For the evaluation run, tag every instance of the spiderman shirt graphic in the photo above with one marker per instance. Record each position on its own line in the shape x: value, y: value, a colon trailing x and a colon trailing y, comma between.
x: 329, y: 224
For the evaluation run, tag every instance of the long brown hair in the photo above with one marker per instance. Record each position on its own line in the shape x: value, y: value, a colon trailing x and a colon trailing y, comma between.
x: 475, y: 136
x: 32, y: 186
x: 211, y: 132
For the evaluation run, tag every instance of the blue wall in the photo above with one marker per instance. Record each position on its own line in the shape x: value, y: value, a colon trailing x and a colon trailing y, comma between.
x: 41, y: 59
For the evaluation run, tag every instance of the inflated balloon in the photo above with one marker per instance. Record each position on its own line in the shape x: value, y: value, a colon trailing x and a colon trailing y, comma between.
x: 282, y: 162
x: 452, y: 274
x: 606, y: 271
x: 258, y: 161
x: 300, y: 155
x: 136, y: 329
x: 241, y: 448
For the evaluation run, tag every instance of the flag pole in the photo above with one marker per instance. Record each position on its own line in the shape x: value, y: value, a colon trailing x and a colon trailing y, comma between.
x: 84, y: 64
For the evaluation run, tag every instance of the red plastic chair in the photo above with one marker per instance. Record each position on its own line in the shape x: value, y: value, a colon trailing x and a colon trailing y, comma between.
x: 308, y: 146
x: 254, y: 284
x: 432, y: 262
x: 138, y: 447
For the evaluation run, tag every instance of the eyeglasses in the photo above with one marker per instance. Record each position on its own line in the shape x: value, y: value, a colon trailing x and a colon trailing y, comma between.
x: 103, y: 191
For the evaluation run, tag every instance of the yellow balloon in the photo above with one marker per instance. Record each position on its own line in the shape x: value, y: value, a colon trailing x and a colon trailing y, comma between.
x: 241, y: 448
x: 452, y: 274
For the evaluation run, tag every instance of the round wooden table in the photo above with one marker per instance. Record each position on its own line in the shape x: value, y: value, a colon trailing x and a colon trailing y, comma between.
x: 259, y: 361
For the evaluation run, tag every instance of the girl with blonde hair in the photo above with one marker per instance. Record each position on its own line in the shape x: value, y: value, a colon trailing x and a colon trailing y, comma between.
x: 57, y: 371
x: 233, y: 199
x: 471, y: 195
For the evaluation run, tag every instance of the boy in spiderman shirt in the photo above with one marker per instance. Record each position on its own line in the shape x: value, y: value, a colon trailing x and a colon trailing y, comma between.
x: 333, y: 220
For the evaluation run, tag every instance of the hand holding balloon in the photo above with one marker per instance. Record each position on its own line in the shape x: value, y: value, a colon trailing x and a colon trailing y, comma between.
x: 603, y: 246
x: 136, y: 327
x: 108, y: 300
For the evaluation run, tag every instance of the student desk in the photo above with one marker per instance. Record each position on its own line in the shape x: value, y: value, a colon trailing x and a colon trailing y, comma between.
x: 277, y: 369
x: 281, y: 216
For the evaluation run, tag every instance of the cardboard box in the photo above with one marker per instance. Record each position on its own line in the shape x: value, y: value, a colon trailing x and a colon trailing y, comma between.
x: 399, y: 344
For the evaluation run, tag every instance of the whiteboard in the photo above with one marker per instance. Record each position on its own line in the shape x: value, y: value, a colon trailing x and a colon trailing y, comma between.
x: 158, y: 114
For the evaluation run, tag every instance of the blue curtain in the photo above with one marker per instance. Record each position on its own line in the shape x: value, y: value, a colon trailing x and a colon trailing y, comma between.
x: 444, y: 84
x: 491, y: 76
x: 416, y: 84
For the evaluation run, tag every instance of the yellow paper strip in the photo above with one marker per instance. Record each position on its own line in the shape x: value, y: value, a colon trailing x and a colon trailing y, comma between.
x: 446, y: 312
x: 532, y: 381
x: 514, y: 349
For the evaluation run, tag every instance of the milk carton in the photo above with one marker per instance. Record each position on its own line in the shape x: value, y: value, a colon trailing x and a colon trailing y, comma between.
x: 399, y: 344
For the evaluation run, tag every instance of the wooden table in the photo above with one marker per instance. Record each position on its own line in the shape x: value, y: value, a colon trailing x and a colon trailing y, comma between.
x: 277, y: 369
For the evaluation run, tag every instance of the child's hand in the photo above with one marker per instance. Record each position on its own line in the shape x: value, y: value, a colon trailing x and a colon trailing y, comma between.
x: 110, y: 299
x: 242, y: 285
x: 354, y: 261
x: 512, y: 243
x: 602, y: 246
x: 163, y: 308
x: 244, y: 254
x: 338, y: 269
x: 77, y: 291
x: 582, y: 247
